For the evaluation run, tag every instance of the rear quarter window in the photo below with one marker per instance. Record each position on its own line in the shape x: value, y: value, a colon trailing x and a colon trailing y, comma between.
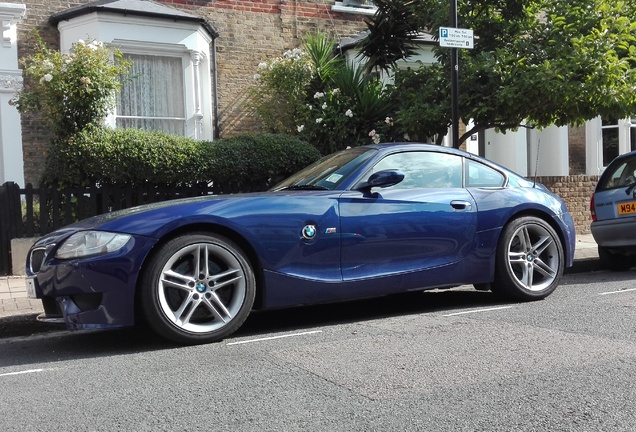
x: 480, y: 175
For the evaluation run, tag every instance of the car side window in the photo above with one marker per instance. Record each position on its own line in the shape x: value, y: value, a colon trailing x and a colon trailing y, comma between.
x: 480, y: 175
x: 424, y: 169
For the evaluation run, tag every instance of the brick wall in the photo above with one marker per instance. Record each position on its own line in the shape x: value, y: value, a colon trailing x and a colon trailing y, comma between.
x: 576, y: 142
x: 249, y: 33
x: 576, y: 191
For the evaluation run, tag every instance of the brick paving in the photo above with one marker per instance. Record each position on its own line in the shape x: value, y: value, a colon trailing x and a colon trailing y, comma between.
x: 13, y: 297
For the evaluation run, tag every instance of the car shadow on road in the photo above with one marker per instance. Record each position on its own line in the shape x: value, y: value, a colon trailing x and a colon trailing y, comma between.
x: 305, y: 317
x: 38, y: 343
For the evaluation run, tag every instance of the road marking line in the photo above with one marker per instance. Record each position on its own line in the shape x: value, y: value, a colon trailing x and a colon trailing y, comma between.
x: 274, y: 337
x: 478, y: 311
x: 617, y: 292
x: 22, y: 372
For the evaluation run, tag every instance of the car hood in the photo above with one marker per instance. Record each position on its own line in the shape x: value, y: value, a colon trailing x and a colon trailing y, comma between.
x: 153, y: 220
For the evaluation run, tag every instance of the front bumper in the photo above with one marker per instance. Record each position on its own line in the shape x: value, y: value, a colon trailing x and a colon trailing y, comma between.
x: 91, y: 292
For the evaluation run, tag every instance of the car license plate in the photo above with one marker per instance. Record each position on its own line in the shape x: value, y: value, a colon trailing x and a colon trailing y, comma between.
x: 30, y: 288
x: 627, y: 208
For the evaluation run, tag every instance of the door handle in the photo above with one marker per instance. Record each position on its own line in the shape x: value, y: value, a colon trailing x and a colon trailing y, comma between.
x: 461, y: 205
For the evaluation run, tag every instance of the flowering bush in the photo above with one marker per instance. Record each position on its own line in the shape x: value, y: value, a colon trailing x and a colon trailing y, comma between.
x: 280, y: 93
x: 320, y: 97
x: 72, y: 90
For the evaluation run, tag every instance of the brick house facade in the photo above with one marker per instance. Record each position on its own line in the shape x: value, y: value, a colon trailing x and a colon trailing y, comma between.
x: 249, y: 32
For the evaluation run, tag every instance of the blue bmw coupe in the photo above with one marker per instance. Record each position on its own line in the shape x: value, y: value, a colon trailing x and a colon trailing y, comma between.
x: 366, y: 221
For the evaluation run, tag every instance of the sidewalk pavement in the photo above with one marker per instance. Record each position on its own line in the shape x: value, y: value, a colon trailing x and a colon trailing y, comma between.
x: 14, y: 301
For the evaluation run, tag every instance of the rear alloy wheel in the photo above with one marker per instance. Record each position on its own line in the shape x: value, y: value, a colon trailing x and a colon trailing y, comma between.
x: 529, y: 261
x: 199, y: 288
x: 614, y: 261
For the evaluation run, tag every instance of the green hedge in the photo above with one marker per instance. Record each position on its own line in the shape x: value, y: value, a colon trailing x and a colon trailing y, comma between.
x: 100, y: 155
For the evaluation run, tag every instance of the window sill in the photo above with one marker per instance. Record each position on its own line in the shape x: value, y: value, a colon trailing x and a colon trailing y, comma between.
x: 340, y: 7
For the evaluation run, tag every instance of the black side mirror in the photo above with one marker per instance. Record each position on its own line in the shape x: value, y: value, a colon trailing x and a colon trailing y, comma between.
x: 382, y: 179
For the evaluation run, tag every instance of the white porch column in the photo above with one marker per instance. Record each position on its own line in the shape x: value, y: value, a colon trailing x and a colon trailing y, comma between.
x: 549, y: 154
x: 195, y: 58
x: 11, y: 157
x: 593, y: 147
x: 509, y: 149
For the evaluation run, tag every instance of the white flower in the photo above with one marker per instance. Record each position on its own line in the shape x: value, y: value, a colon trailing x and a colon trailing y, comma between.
x: 318, y: 95
x: 388, y: 121
x: 47, y: 78
x: 375, y: 137
x: 319, y: 120
x: 262, y: 65
x: 294, y: 54
x: 47, y: 64
x: 349, y: 113
x: 335, y: 91
x: 81, y: 42
x: 257, y: 77
x: 324, y: 105
x: 300, y: 128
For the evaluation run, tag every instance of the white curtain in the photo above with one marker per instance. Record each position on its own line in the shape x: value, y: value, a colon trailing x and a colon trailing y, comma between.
x: 152, y: 96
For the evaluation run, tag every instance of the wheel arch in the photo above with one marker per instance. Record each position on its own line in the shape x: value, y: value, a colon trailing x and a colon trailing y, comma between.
x: 547, y: 218
x: 230, y: 234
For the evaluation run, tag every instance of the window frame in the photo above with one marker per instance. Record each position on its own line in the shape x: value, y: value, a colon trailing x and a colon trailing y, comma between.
x: 159, y: 50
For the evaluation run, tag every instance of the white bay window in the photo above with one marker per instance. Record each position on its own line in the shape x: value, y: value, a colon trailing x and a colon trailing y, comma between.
x: 172, y: 83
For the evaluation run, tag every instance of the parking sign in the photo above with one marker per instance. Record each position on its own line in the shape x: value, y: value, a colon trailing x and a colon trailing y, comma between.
x: 455, y: 37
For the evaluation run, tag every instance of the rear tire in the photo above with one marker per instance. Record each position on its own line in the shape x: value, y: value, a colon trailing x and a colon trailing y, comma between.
x: 529, y: 260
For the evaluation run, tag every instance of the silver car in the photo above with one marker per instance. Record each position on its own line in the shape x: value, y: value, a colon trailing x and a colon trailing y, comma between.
x: 613, y: 207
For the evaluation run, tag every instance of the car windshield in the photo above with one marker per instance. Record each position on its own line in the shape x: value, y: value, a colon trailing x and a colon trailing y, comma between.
x: 329, y: 172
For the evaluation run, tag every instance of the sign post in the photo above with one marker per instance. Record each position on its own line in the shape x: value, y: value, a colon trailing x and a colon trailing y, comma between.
x: 454, y: 38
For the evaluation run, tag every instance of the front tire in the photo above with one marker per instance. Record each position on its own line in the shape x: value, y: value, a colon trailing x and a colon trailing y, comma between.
x: 529, y: 260
x: 198, y: 288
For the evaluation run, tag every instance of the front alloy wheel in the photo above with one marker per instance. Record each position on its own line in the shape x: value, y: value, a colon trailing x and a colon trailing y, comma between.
x: 199, y: 288
x: 529, y: 260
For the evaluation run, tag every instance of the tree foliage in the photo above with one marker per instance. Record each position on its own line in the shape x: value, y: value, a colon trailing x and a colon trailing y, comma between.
x: 535, y: 62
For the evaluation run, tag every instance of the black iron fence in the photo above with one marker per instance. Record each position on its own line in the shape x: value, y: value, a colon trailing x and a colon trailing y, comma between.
x: 33, y: 212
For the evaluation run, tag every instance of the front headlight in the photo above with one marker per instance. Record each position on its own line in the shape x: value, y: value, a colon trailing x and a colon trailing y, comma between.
x: 85, y: 243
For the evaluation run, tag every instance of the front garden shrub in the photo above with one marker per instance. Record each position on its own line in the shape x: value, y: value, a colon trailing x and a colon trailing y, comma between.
x: 260, y: 157
x: 71, y: 90
x: 100, y: 155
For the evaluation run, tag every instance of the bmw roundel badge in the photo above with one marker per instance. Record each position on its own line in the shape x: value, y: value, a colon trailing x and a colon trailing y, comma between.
x: 309, y: 232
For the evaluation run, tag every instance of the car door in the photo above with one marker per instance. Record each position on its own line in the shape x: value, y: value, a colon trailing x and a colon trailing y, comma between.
x: 426, y: 221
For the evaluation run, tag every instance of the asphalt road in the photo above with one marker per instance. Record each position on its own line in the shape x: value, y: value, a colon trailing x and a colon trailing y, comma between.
x: 437, y: 361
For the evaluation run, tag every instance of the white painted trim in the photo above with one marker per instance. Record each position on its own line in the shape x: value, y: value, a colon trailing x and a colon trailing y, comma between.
x: 11, y: 154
